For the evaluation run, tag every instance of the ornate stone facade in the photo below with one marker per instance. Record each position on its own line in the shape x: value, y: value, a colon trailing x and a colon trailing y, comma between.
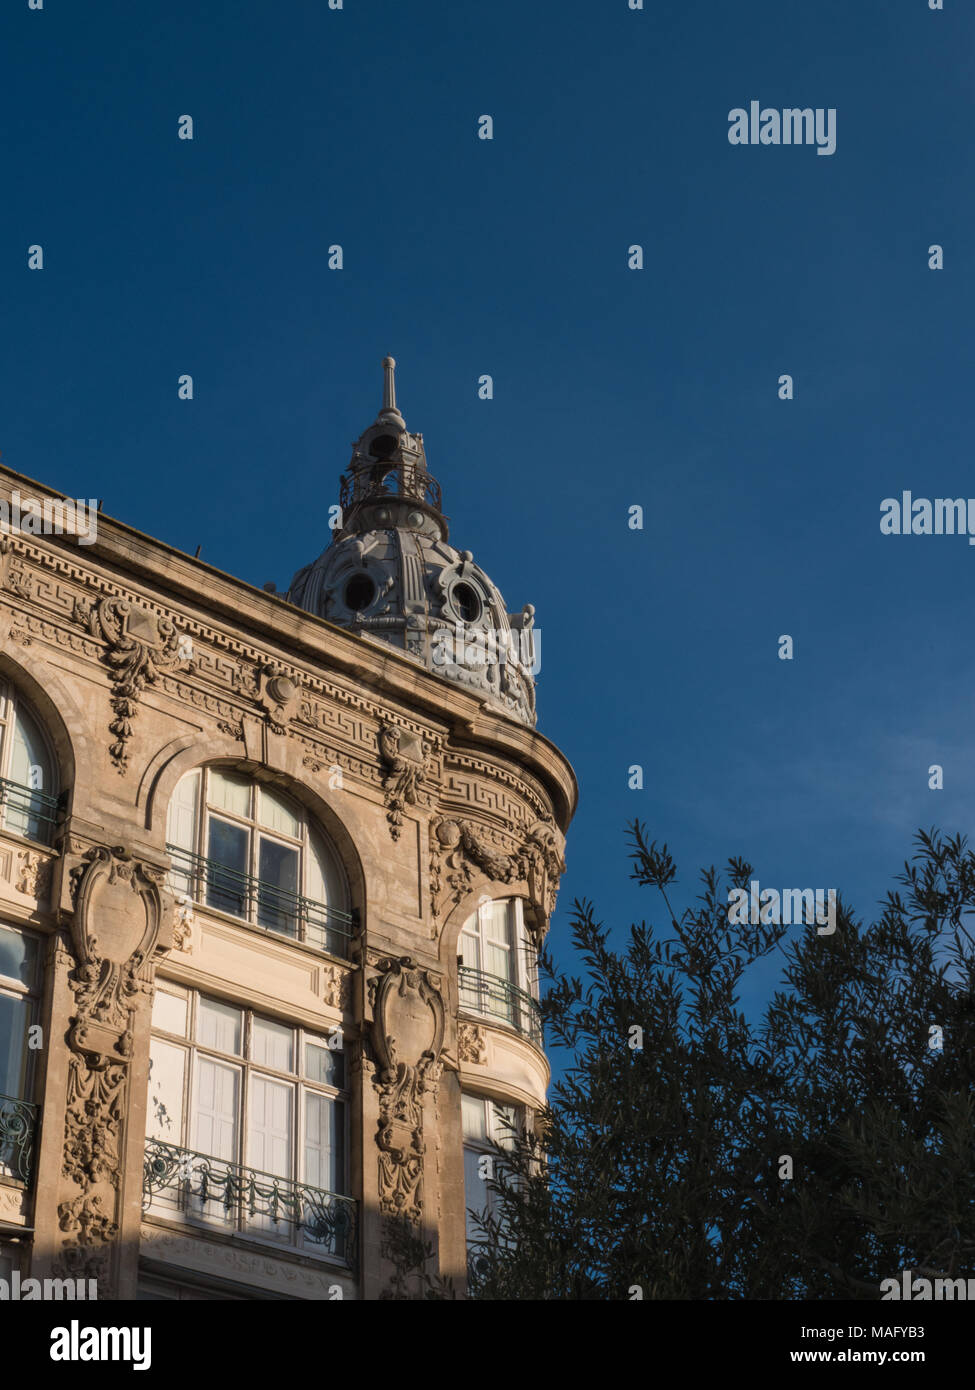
x: 407, y: 1038
x: 141, y: 664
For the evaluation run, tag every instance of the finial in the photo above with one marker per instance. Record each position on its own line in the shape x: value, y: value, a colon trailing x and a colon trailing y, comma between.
x: 389, y: 383
x: 389, y: 413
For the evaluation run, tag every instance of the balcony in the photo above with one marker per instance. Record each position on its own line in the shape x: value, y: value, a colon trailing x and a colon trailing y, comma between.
x: 262, y: 904
x: 24, y: 811
x: 18, y: 1126
x: 215, y: 1193
x: 492, y: 997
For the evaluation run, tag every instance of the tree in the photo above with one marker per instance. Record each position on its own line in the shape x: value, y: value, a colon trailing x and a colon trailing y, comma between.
x: 809, y: 1154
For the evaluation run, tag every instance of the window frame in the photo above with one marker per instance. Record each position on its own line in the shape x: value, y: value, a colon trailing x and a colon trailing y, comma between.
x: 11, y: 988
x: 30, y: 993
x: 247, y: 1067
x: 522, y: 955
x: 496, y: 1133
x: 311, y: 837
x: 12, y: 703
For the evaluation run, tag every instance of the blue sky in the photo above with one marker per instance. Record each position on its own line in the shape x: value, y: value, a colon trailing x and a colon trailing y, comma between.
x: 612, y: 387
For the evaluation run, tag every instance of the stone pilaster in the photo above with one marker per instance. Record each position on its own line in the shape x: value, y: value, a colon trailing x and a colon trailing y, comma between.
x: 117, y: 925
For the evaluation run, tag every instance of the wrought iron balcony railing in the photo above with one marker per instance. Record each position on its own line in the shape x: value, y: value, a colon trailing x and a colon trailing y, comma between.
x: 241, y: 895
x: 28, y: 812
x: 493, y: 997
x: 213, y: 1191
x: 18, y: 1126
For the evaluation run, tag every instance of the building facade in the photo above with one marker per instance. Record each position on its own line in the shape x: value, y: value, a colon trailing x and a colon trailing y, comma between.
x: 273, y: 873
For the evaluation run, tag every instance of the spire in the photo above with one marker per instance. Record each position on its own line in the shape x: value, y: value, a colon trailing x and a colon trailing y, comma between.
x: 387, y: 483
x: 389, y: 415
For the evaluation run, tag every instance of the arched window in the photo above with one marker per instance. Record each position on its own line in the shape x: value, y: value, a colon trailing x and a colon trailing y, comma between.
x: 498, y: 971
x: 28, y: 784
x: 244, y: 848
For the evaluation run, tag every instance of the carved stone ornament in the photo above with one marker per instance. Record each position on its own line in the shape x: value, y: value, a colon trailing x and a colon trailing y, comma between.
x: 272, y: 689
x: 15, y: 577
x: 140, y: 647
x: 277, y: 697
x: 183, y: 920
x: 117, y: 925
x: 543, y: 865
x: 33, y: 874
x: 407, y: 1037
x: 90, y: 1233
x: 459, y: 849
x: 406, y: 763
x: 471, y: 1046
x: 93, y: 1120
x: 336, y: 987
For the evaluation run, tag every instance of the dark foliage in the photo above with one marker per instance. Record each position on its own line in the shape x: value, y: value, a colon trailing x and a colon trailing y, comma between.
x: 658, y: 1168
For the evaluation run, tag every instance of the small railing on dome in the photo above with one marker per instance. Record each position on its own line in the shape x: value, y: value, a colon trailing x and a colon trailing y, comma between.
x: 18, y: 1126
x: 28, y: 812
x: 493, y: 997
x: 211, y: 1191
x: 371, y: 486
x: 254, y: 900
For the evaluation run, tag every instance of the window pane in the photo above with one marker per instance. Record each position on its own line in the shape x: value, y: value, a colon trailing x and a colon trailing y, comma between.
x: 502, y: 1120
x: 270, y: 1149
x: 278, y: 875
x: 325, y: 1065
x: 30, y: 767
x: 326, y: 888
x: 270, y: 1134
x: 324, y: 1143
x: 215, y: 1111
x: 272, y: 1044
x: 227, y: 884
x: 497, y: 921
x: 207, y: 1188
x: 497, y: 961
x: 18, y: 954
x: 472, y: 1109
x: 181, y: 821
x: 230, y: 792
x: 476, y: 1194
x: 218, y: 1026
x: 527, y: 954
x: 29, y: 761
x: 166, y: 1066
x: 470, y: 954
x: 169, y: 1013
x: 276, y: 814
x: 181, y: 827
x: 325, y: 882
x: 14, y: 1021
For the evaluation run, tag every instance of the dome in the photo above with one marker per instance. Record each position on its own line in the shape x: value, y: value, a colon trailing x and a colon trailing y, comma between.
x: 389, y: 574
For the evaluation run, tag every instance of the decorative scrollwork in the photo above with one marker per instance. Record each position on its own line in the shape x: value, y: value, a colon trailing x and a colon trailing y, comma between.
x: 140, y: 646
x: 459, y: 848
x: 407, y: 1037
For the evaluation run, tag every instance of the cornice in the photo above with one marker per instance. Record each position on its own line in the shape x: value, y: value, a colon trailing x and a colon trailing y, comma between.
x: 126, y: 556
